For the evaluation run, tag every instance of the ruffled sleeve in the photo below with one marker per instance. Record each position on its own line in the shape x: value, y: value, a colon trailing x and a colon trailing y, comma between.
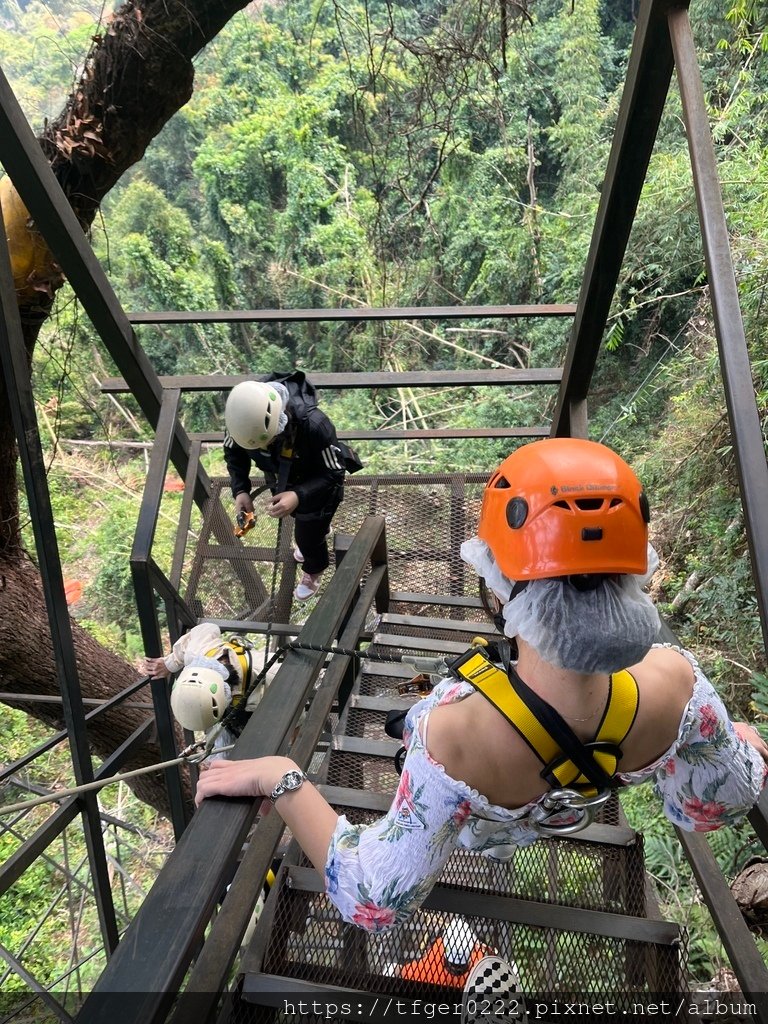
x: 377, y: 875
x: 711, y: 777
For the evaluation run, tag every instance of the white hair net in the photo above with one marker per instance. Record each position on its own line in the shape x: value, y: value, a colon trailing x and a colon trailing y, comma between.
x: 200, y: 661
x: 282, y: 392
x: 600, y: 630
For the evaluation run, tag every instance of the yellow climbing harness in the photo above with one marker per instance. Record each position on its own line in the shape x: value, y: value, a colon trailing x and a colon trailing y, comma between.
x: 243, y: 651
x: 598, y: 759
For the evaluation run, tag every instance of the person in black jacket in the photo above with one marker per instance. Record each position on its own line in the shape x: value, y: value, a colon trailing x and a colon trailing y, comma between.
x: 281, y: 430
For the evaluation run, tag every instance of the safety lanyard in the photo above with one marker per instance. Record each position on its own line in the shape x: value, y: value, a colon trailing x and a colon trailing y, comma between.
x: 285, y: 460
x: 568, y: 762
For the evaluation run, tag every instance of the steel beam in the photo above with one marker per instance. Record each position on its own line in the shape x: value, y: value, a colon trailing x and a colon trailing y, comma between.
x: 743, y: 415
x: 416, y: 434
x: 471, y: 903
x: 645, y: 91
x: 738, y: 941
x: 353, y: 315
x: 375, y: 379
x: 16, y: 373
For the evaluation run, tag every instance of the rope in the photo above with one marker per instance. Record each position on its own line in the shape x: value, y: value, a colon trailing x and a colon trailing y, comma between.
x: 350, y: 652
x: 434, y: 664
x: 63, y: 794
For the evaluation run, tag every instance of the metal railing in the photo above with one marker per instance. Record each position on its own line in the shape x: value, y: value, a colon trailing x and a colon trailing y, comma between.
x: 169, y: 926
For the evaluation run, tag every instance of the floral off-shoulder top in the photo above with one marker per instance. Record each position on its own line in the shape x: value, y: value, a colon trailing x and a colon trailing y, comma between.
x: 377, y: 875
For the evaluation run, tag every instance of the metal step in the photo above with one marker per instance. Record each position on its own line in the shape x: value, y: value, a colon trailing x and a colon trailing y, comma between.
x: 310, y: 949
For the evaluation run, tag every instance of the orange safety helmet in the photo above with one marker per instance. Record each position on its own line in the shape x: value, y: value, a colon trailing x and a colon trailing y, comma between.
x: 565, y: 507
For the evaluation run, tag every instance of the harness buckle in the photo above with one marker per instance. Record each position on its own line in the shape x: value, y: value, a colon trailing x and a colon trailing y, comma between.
x: 556, y: 801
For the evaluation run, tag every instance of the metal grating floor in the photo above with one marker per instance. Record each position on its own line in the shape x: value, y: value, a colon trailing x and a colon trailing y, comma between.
x: 427, y: 518
x: 549, y: 890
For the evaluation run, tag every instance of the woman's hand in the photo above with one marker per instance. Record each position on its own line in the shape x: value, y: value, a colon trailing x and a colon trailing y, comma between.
x: 255, y: 777
x: 156, y: 668
x: 750, y: 735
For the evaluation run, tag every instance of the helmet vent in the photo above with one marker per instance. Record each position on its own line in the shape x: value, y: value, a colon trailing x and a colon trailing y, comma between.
x: 517, y: 512
x: 501, y: 481
x: 562, y: 504
x: 645, y: 508
x: 615, y: 502
x: 589, y: 504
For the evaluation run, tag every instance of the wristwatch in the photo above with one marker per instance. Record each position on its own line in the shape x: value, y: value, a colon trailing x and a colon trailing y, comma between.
x: 291, y: 781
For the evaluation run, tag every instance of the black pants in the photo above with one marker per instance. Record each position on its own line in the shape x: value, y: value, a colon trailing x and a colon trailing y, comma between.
x: 310, y: 536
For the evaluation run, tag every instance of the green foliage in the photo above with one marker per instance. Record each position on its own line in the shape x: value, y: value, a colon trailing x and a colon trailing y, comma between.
x: 399, y: 154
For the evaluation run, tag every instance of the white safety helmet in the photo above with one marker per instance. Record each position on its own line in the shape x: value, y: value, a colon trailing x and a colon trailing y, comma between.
x: 199, y: 698
x: 459, y: 942
x: 252, y: 414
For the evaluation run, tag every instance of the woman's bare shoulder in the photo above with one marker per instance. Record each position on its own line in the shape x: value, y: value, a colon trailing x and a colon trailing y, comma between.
x: 667, y: 668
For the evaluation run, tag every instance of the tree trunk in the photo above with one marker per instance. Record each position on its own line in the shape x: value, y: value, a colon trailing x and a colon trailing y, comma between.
x: 137, y: 74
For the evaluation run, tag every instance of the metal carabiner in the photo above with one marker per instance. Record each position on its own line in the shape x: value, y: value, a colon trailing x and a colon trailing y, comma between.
x: 195, y: 752
x: 559, y: 800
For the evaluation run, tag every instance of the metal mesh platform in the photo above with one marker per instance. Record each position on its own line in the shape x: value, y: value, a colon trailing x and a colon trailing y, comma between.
x: 427, y: 518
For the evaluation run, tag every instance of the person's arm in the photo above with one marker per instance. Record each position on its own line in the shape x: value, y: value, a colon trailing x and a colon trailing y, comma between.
x: 718, y: 768
x: 307, y: 814
x: 321, y: 459
x: 238, y: 463
x: 376, y: 875
x: 198, y: 640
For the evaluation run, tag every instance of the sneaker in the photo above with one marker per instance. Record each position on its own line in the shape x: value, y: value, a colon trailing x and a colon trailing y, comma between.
x: 308, y: 586
x: 492, y: 993
x: 297, y: 556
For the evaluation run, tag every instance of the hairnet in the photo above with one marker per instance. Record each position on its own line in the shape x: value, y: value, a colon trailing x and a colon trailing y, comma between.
x: 600, y: 630
x: 200, y: 661
x: 282, y: 391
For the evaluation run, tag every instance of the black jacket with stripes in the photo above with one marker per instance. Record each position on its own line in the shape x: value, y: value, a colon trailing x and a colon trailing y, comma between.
x: 317, y: 467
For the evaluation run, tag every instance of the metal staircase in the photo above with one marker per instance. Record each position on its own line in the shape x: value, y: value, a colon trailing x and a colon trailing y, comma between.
x: 575, y: 914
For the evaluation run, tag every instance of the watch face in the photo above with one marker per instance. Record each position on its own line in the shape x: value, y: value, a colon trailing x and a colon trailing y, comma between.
x: 292, y: 780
